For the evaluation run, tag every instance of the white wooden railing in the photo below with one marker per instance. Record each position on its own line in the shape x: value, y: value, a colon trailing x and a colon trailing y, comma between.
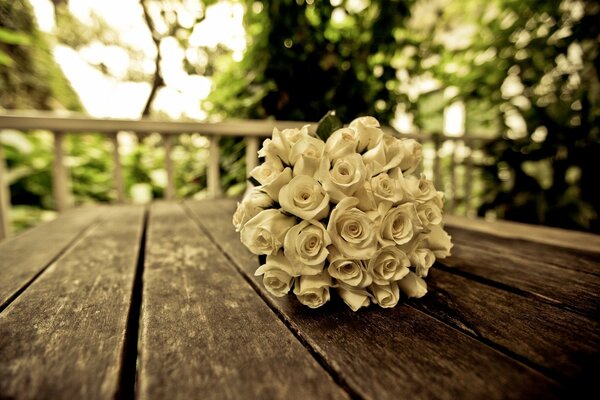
x: 251, y: 130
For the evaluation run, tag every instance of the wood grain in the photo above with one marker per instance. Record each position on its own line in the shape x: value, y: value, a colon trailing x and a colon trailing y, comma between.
x: 392, y: 353
x: 561, y: 257
x: 25, y: 255
x: 564, y: 344
x: 63, y: 337
x: 500, y: 262
x: 205, y: 333
x: 541, y: 234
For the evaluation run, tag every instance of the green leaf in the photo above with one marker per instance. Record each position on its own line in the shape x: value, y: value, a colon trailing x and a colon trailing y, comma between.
x: 327, y: 125
x: 13, y: 37
x: 5, y: 59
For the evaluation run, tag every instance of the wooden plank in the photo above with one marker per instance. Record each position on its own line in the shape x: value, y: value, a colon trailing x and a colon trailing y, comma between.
x: 563, y: 343
x: 4, y: 198
x: 26, y: 255
x: 170, y: 188
x: 214, y: 175
x: 389, y: 353
x: 64, y: 337
x: 251, y: 154
x: 561, y: 257
x: 500, y: 262
x: 541, y: 234
x: 205, y: 333
x: 119, y: 182
x: 60, y: 175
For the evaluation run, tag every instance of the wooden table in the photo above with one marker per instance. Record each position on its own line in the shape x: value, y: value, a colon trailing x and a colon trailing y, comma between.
x: 161, y: 302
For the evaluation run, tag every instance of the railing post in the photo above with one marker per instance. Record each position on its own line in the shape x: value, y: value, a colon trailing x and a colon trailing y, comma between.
x: 170, y: 189
x: 119, y: 183
x: 214, y: 178
x: 60, y: 175
x: 4, y: 198
x: 251, y: 154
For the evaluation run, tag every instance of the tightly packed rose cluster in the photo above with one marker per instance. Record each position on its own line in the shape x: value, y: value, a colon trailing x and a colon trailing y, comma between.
x: 347, y: 214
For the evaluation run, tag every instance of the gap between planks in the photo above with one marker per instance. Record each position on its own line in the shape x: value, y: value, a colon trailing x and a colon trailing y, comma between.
x: 128, y: 374
x: 314, y: 352
x: 70, y: 245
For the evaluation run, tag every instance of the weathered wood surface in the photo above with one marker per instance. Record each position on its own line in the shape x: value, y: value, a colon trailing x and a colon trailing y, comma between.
x: 63, y: 338
x: 504, y: 263
x: 389, y: 353
x: 506, y: 317
x: 24, y: 256
x: 204, y: 331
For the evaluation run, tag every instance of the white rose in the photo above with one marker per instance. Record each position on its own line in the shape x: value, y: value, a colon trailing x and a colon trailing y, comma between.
x: 265, y: 233
x: 413, y: 154
x: 368, y: 133
x: 272, y: 176
x: 387, y: 154
x: 306, y: 156
x: 354, y: 298
x: 421, y: 189
x: 281, y: 143
x: 398, y: 225
x: 253, y: 202
x: 352, y: 231
x: 413, y: 286
x: 343, y: 177
x: 313, y: 290
x: 366, y: 198
x: 388, y: 265
x: 277, y: 281
x: 306, y: 244
x: 387, y: 295
x: 422, y: 258
x: 429, y: 213
x: 438, y: 241
x: 341, y: 143
x: 386, y: 189
x: 304, y: 197
x: 294, y: 269
x: 349, y: 271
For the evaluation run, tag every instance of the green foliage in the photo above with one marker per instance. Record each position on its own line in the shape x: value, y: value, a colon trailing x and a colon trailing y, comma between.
x: 327, y: 125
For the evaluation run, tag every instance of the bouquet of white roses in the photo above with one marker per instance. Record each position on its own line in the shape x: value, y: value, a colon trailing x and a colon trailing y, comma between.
x: 342, y: 211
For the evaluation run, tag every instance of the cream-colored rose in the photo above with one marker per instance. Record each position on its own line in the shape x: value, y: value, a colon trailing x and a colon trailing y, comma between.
x: 349, y: 271
x: 388, y: 265
x: 438, y: 241
x: 304, y: 197
x: 429, y: 213
x: 306, y: 243
x: 281, y: 143
x: 352, y: 231
x: 277, y: 281
x: 413, y: 286
x: 413, y: 154
x: 366, y: 198
x: 306, y: 156
x: 272, y: 176
x: 398, y: 225
x: 265, y: 233
x: 368, y: 133
x: 343, y: 176
x: 421, y: 189
x: 387, y: 295
x: 386, y: 189
x: 422, y: 258
x: 253, y: 202
x: 341, y: 143
x: 354, y: 298
x: 292, y: 268
x: 313, y: 290
x: 387, y: 154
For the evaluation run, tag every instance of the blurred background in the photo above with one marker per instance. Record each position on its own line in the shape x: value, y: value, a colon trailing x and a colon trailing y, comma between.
x: 504, y: 94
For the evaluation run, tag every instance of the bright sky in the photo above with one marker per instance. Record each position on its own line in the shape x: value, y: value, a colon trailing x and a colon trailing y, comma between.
x: 103, y: 96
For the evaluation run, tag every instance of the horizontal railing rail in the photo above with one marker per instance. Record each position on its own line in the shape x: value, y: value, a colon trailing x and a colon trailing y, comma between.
x: 251, y: 130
